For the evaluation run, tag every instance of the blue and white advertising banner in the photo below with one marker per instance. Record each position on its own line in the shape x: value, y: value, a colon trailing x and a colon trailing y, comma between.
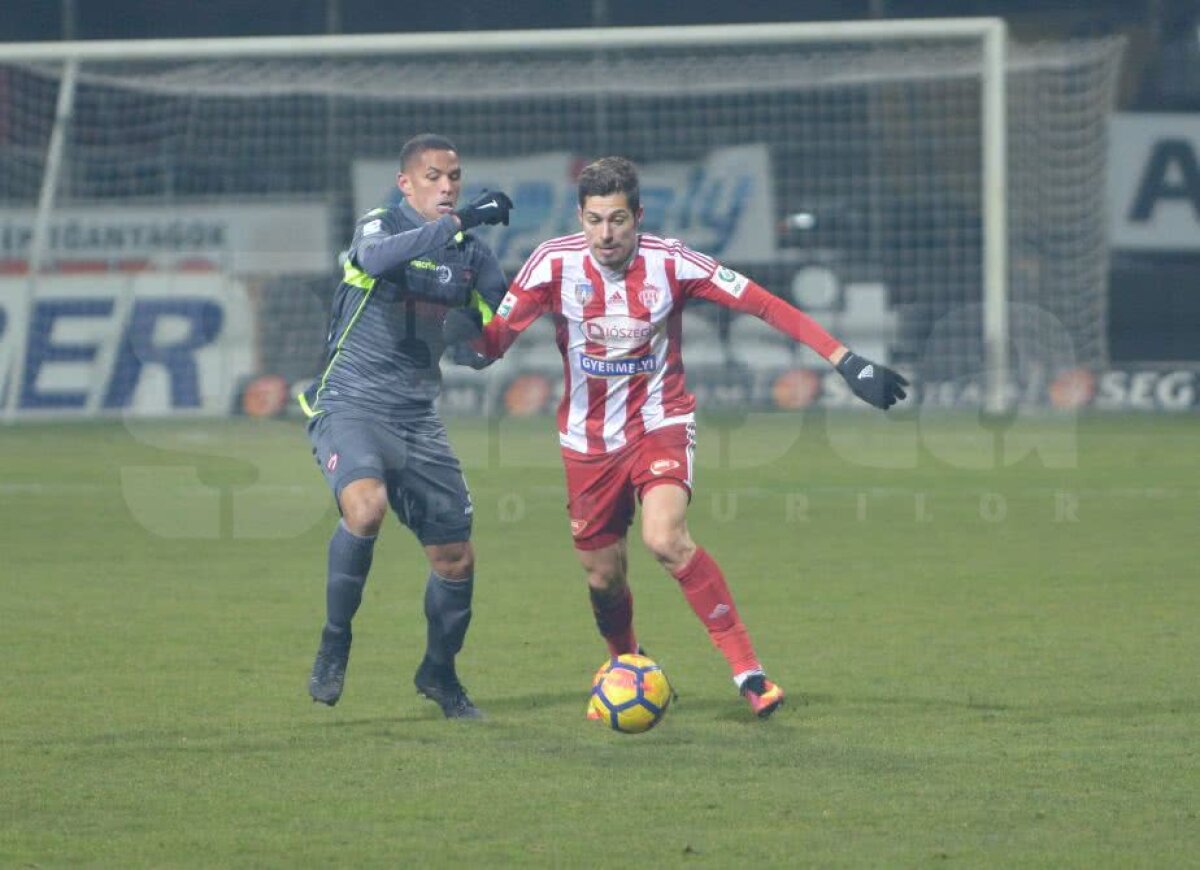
x: 145, y: 344
x: 721, y: 204
x: 1154, y: 182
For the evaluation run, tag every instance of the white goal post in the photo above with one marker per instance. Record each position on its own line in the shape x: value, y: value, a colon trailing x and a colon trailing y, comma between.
x: 893, y: 140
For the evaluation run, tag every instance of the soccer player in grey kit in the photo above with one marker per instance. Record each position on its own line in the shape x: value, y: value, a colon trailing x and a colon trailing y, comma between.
x: 374, y: 431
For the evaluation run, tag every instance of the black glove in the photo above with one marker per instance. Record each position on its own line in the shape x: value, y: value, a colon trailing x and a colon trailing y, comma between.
x: 462, y: 326
x: 875, y: 384
x: 490, y: 207
x: 463, y: 355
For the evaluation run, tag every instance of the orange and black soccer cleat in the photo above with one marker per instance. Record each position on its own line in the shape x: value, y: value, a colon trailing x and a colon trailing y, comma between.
x: 763, y: 696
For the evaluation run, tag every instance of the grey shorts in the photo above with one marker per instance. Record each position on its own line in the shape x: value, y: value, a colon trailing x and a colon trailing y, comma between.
x: 414, y: 459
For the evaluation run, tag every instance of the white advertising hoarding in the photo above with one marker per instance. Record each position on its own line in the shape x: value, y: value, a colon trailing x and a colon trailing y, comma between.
x: 1154, y: 182
x: 240, y: 238
x: 147, y: 344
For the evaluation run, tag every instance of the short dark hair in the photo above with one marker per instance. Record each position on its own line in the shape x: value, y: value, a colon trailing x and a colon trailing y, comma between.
x: 418, y: 145
x: 607, y: 176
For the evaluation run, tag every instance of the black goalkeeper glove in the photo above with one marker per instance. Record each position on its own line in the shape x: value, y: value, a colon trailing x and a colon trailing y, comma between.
x: 875, y: 384
x: 490, y: 207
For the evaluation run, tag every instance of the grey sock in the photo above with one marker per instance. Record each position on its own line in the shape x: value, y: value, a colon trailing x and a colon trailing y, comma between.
x: 349, y: 562
x: 447, y: 613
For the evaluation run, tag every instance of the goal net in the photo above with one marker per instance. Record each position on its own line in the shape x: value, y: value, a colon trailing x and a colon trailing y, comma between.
x: 844, y: 167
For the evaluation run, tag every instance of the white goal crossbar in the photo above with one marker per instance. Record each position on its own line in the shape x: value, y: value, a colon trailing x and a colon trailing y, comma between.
x: 989, y: 33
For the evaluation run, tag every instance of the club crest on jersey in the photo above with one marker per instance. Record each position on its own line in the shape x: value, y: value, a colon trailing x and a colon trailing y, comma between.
x: 584, y: 292
x: 649, y: 295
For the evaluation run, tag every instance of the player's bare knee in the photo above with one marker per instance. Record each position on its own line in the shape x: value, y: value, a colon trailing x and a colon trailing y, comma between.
x: 606, y: 584
x: 363, y: 524
x: 606, y: 580
x: 363, y: 508
x: 454, y: 561
x: 671, y: 547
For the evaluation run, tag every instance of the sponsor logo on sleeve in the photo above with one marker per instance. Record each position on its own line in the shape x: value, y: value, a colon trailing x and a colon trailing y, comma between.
x: 373, y: 228
x: 730, y: 281
x: 506, y: 304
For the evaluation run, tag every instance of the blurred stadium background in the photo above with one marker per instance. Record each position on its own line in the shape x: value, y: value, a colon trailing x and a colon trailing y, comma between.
x: 185, y: 225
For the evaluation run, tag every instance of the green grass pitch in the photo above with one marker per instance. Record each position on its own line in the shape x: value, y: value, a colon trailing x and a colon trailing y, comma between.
x: 990, y: 636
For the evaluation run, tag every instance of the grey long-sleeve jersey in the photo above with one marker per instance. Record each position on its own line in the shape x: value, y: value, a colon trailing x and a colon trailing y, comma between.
x: 385, y: 334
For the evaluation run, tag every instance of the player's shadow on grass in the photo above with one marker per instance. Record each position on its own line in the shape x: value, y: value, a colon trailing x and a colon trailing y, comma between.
x: 424, y: 710
x: 532, y: 702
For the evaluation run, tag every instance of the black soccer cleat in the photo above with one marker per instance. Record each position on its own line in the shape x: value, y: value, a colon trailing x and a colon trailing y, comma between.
x: 441, y: 685
x: 329, y: 669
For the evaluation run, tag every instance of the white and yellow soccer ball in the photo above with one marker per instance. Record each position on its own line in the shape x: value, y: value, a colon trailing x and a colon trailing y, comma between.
x: 630, y: 693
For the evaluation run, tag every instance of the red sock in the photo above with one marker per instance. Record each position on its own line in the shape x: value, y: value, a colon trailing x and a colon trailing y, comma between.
x: 614, y: 618
x: 705, y: 588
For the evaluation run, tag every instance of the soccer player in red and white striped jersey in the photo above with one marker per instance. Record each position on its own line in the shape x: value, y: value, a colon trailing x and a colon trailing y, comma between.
x: 626, y: 420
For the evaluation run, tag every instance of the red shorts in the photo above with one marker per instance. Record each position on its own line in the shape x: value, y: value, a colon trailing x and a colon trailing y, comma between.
x: 602, y: 488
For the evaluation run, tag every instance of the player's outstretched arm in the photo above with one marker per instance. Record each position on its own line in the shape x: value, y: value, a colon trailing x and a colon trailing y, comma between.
x: 875, y: 384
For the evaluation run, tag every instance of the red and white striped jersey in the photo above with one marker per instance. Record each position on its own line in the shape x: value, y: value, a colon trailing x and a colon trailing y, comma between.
x: 621, y: 336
